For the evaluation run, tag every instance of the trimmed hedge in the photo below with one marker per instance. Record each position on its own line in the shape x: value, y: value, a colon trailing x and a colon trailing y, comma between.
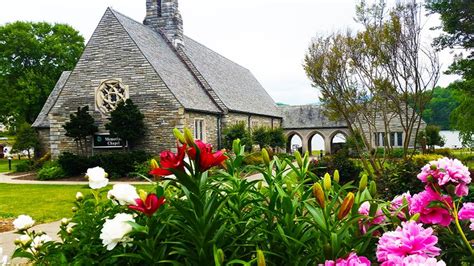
x: 119, y: 164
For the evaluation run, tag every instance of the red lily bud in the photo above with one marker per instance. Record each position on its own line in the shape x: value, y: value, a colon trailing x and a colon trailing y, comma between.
x: 149, y: 206
x: 346, y: 206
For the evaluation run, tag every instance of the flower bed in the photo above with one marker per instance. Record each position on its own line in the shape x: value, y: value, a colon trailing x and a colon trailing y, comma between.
x: 290, y: 217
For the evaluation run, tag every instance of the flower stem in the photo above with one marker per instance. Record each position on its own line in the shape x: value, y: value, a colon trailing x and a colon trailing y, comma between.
x: 458, y: 226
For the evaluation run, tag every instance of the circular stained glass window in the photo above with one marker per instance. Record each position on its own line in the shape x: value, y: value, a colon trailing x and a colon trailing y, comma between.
x: 109, y: 94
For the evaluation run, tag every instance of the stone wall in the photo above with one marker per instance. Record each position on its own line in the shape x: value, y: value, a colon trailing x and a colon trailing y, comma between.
x: 43, y: 135
x: 252, y: 121
x: 112, y: 54
x: 210, y: 125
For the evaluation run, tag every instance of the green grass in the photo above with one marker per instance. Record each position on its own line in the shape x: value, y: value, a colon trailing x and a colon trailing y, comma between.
x: 45, y: 203
x: 4, y: 165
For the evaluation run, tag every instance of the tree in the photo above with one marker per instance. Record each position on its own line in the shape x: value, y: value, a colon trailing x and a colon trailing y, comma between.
x: 381, y: 73
x: 80, y: 127
x: 32, y: 57
x: 277, y: 138
x: 433, y: 138
x: 458, y: 26
x: 441, y: 106
x: 261, y: 136
x: 237, y: 131
x: 126, y: 122
x: 26, y: 139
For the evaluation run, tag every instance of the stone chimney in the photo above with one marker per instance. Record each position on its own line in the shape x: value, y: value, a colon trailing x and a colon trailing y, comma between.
x: 164, y: 15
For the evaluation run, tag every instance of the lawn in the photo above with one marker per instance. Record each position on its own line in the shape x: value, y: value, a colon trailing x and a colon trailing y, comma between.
x: 4, y: 165
x: 45, y: 203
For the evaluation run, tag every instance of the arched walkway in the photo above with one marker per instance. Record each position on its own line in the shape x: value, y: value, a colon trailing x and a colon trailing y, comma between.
x: 316, y: 139
x: 316, y: 143
x: 338, y: 140
x: 294, y: 142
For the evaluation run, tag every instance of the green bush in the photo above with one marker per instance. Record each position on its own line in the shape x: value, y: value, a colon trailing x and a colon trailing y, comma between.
x: 261, y: 136
x: 444, y: 151
x: 23, y: 166
x: 397, y: 153
x: 348, y: 169
x: 118, y: 164
x: 253, y: 159
x: 237, y: 131
x: 51, y: 171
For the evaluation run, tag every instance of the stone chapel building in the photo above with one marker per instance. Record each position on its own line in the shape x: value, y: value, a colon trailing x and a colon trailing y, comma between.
x: 174, y: 80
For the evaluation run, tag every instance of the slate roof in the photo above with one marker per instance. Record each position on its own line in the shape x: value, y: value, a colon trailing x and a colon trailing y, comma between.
x: 235, y: 85
x: 42, y: 120
x: 168, y: 65
x: 307, y: 116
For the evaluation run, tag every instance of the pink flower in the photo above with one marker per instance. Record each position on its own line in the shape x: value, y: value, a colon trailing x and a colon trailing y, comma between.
x: 414, y: 260
x: 397, y: 202
x: 366, y: 223
x: 434, y: 215
x: 467, y: 213
x: 447, y: 171
x: 351, y: 260
x: 410, y: 239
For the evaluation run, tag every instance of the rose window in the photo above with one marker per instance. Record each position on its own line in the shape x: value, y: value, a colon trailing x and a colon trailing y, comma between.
x: 109, y: 94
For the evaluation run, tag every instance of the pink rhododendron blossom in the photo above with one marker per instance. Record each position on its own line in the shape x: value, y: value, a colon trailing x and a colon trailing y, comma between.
x: 351, y: 260
x: 447, y: 171
x: 397, y: 202
x: 365, y: 224
x: 410, y: 239
x: 467, y: 213
x: 434, y: 215
x: 414, y: 260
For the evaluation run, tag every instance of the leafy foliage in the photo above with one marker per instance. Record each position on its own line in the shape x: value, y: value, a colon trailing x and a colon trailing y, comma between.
x: 348, y: 170
x: 51, y: 171
x: 237, y: 131
x: 261, y: 136
x: 118, y: 164
x: 32, y: 57
x: 440, y: 107
x: 26, y: 139
x: 80, y: 127
x: 126, y: 122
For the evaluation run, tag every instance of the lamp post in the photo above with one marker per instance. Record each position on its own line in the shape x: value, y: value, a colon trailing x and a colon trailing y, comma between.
x: 10, y: 163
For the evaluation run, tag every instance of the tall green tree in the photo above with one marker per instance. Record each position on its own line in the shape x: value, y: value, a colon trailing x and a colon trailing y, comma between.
x: 80, y: 127
x: 441, y: 106
x: 26, y: 139
x: 457, y: 19
x: 126, y: 122
x: 32, y: 57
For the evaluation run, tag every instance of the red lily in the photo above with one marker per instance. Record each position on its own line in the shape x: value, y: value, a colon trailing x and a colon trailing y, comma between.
x: 207, y: 158
x: 169, y: 160
x: 150, y: 206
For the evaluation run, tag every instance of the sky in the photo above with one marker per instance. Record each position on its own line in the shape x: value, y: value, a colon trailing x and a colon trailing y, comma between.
x: 269, y: 37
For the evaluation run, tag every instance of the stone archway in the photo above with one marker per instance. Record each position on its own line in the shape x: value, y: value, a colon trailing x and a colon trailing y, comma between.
x: 316, y: 143
x: 337, y: 140
x: 294, y: 142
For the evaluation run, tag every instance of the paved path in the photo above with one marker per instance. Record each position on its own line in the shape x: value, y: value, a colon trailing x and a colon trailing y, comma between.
x: 12, y: 179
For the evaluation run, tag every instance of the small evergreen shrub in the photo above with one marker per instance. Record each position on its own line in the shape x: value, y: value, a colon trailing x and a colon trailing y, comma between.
x: 118, y: 164
x: 23, y: 166
x: 51, y: 171
x: 348, y: 169
x: 237, y: 131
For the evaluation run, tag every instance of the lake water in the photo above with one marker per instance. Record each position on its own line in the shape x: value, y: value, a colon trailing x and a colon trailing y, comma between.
x: 451, y: 138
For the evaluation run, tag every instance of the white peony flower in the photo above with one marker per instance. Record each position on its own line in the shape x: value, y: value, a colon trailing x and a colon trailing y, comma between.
x: 124, y: 194
x: 115, y: 230
x: 79, y: 196
x: 23, y: 222
x: 97, y: 177
x: 24, y: 239
x: 40, y: 240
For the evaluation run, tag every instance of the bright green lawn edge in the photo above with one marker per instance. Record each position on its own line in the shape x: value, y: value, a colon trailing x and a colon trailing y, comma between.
x: 45, y: 203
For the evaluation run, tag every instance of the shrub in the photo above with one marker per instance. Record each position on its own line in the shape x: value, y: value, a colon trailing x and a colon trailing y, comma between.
x: 348, y: 169
x: 74, y: 165
x: 253, y: 159
x: 445, y: 152
x: 422, y: 159
x: 23, y: 166
x: 261, y: 136
x: 51, y: 171
x: 118, y: 164
x: 237, y: 131
x: 399, y: 178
